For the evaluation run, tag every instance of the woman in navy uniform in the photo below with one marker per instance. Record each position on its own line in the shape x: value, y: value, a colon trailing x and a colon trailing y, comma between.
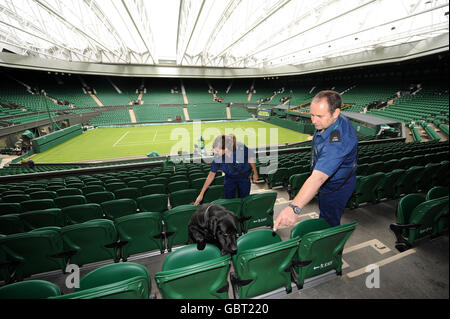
x: 237, y: 162
x: 333, y: 163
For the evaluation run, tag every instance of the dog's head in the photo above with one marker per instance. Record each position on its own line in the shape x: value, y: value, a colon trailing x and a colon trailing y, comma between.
x: 221, y: 227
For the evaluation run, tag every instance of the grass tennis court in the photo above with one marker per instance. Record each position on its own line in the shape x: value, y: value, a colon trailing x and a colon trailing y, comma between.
x: 109, y: 143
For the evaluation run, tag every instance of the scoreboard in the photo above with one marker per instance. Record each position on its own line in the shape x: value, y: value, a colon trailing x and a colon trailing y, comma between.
x: 264, y: 112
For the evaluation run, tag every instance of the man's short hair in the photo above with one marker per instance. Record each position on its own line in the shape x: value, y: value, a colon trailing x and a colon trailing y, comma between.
x: 334, y: 99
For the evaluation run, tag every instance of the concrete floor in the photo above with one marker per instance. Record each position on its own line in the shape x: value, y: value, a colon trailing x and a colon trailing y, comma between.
x: 421, y: 272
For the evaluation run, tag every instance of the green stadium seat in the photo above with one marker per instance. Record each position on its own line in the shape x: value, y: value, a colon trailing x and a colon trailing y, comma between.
x: 153, y: 189
x: 30, y: 289
x: 139, y: 184
x: 277, y: 177
x: 128, y: 192
x: 407, y: 183
x: 69, y: 191
x: 92, y: 189
x: 76, y: 214
x: 10, y: 208
x: 198, y: 183
x: 296, y: 182
x: 436, y: 192
x: 119, y: 207
x: 33, y: 252
x: 417, y: 218
x: 153, y: 203
x: 43, y: 218
x: 257, y: 210
x: 139, y: 233
x: 189, y: 273
x: 43, y: 195
x: 177, y: 186
x: 91, y: 241
x: 320, y: 249
x: 233, y: 205
x: 366, y: 189
x: 111, y: 187
x: 176, y: 221
x: 100, y: 197
x: 65, y: 201
x: 15, y: 198
x: 387, y: 188
x: 213, y: 192
x: 115, y: 281
x: 11, y: 224
x: 38, y: 204
x: 262, y: 263
x: 183, y: 197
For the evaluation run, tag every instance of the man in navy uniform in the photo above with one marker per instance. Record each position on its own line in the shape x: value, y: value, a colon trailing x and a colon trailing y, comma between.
x: 333, y: 163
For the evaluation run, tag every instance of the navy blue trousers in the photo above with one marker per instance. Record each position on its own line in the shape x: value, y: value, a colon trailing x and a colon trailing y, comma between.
x: 242, y: 185
x: 332, y: 204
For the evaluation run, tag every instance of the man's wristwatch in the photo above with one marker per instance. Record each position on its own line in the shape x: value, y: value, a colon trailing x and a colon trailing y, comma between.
x: 296, y: 209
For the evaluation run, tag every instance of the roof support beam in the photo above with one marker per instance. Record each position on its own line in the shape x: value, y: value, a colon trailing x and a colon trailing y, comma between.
x: 73, y: 27
x: 357, y: 32
x: 192, y: 32
x: 253, y: 27
x: 139, y: 31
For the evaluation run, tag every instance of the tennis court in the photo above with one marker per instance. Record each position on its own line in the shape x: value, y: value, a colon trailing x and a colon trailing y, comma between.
x: 120, y: 142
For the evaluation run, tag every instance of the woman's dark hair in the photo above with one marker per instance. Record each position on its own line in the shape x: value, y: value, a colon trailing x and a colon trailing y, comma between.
x: 225, y: 142
x: 334, y: 99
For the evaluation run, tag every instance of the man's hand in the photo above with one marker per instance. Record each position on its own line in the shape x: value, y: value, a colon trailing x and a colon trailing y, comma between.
x: 287, y: 217
x: 255, y: 177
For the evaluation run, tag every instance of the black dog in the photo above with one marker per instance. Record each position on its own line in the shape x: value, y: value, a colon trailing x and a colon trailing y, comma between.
x: 215, y: 225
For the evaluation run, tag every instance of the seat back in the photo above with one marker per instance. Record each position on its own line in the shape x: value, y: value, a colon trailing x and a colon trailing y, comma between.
x: 153, y: 203
x: 43, y: 218
x: 43, y: 195
x: 437, y: 192
x: 320, y: 248
x: 257, y: 210
x: 115, y: 281
x: 65, y: 201
x: 427, y: 216
x: 119, y: 207
x: 90, y: 241
x: 10, y: 208
x: 233, y: 205
x: 142, y: 232
x: 296, y: 182
x: 214, y: 192
x: 11, y: 224
x: 128, y: 192
x: 153, y: 189
x: 387, y: 188
x: 92, y: 189
x: 33, y: 251
x: 69, y: 191
x: 30, y: 289
x: 183, y: 197
x: 366, y: 189
x: 38, y: 204
x: 82, y: 213
x: 262, y: 263
x: 176, y: 221
x: 189, y: 273
x: 100, y: 197
x: 177, y: 186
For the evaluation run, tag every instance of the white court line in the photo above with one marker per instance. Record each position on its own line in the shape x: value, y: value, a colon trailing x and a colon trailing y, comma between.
x: 123, y: 136
x: 154, y: 137
x: 380, y: 263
